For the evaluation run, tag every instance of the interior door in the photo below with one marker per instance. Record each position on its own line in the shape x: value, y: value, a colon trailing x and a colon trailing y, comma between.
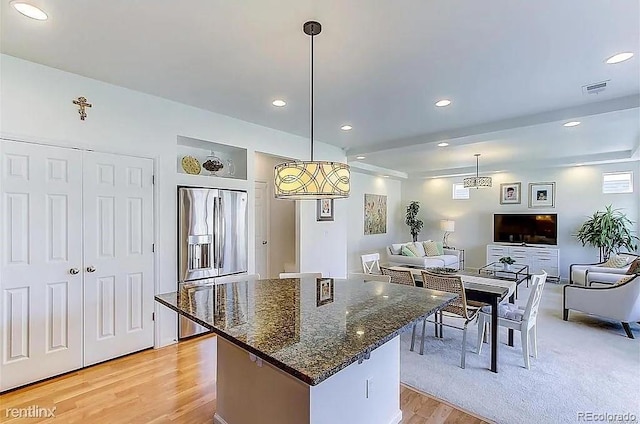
x: 40, y: 273
x: 118, y: 257
x: 262, y: 229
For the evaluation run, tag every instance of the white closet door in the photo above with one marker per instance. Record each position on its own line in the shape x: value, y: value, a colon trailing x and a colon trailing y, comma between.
x: 118, y: 257
x: 41, y: 292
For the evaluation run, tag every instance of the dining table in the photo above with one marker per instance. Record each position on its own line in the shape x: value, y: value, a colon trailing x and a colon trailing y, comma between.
x: 489, y: 289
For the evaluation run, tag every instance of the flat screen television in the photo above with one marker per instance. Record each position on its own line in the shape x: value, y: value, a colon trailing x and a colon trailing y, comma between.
x: 525, y: 228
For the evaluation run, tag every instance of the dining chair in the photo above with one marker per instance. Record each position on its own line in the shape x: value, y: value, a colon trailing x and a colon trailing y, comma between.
x: 459, y: 308
x: 371, y: 263
x: 300, y: 275
x: 399, y: 276
x: 370, y: 277
x: 518, y: 318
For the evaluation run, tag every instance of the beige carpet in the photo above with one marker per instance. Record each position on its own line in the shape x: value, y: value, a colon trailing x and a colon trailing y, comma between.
x: 586, y: 365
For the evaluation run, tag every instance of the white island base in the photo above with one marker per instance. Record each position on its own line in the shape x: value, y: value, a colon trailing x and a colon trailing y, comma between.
x: 252, y: 391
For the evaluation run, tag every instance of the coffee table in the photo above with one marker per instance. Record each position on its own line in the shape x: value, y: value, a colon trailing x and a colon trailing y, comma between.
x: 516, y: 272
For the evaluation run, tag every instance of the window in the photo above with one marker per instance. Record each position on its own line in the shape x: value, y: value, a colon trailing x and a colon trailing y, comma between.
x: 459, y: 192
x: 617, y: 182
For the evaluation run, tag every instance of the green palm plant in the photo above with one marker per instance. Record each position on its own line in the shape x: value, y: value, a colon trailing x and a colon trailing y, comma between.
x: 415, y: 225
x: 609, y: 231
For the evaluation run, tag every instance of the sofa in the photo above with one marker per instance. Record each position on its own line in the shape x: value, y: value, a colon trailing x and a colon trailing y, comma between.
x: 449, y: 259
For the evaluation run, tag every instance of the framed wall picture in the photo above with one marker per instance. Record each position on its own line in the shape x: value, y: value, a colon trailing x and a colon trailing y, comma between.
x: 542, y: 195
x: 510, y: 193
x: 325, y: 210
x: 375, y: 214
x: 324, y: 291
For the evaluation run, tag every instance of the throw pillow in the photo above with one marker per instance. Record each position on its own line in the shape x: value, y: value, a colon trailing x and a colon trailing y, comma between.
x: 625, y: 279
x: 413, y: 249
x: 634, y: 268
x: 440, y: 248
x: 616, y: 261
x: 431, y: 248
x: 407, y: 252
x: 419, y: 249
x: 396, y: 248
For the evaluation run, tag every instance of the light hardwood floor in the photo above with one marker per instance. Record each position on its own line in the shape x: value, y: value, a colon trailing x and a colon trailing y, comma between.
x: 175, y: 384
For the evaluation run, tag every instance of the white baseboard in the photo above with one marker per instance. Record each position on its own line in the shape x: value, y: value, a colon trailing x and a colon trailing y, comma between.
x: 397, y: 418
x: 217, y: 419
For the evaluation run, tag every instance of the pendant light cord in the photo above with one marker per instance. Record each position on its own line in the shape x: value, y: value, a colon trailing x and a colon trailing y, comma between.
x: 312, y: 97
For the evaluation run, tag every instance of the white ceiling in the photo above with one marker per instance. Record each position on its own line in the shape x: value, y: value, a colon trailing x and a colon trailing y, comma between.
x: 514, y: 70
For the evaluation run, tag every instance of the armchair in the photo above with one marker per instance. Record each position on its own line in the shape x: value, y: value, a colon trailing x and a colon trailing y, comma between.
x: 584, y: 274
x: 618, y: 302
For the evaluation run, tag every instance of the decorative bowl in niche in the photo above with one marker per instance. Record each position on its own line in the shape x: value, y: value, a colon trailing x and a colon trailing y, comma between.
x: 213, y: 164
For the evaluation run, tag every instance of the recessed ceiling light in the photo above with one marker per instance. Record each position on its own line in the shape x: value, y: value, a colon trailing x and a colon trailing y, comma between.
x: 620, y: 57
x: 278, y: 103
x: 346, y: 127
x: 443, y: 144
x: 579, y: 164
x: 360, y: 157
x: 571, y: 124
x: 29, y: 10
x: 385, y: 176
x: 443, y: 103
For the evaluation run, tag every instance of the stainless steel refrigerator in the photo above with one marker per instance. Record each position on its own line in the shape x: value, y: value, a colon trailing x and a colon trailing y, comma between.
x: 212, y: 239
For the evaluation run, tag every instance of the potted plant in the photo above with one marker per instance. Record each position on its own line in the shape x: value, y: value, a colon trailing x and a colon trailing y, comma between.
x: 506, y: 262
x: 415, y: 225
x: 609, y: 231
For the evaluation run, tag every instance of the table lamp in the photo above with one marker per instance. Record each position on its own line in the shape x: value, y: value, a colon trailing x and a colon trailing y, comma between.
x: 448, y: 226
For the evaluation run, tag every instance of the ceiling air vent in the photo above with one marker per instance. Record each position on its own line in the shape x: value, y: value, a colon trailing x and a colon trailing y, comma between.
x: 595, y: 88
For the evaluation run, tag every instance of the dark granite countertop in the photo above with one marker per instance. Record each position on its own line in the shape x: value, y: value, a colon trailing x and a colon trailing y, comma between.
x: 309, y: 329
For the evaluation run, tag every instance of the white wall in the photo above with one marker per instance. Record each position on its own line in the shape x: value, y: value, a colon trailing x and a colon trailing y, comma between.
x: 36, y: 105
x: 578, y: 195
x: 397, y: 231
x: 282, y: 219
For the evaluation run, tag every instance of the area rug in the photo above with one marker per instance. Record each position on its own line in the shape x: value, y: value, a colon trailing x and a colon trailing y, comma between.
x: 584, y: 366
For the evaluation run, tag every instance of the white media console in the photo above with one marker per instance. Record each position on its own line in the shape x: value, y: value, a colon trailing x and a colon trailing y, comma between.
x: 538, y: 258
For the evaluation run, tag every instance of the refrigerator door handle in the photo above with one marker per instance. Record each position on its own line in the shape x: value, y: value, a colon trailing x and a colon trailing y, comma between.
x: 223, y: 231
x: 215, y: 232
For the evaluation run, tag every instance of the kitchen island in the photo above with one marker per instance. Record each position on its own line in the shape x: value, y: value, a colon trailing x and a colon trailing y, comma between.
x: 310, y: 351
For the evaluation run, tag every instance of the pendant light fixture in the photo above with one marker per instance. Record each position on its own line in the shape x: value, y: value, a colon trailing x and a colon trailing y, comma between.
x: 312, y: 179
x: 477, y: 181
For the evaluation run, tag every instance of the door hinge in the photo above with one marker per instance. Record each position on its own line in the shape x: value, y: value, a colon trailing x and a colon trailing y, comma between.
x: 153, y: 316
x: 153, y: 248
x: 153, y: 179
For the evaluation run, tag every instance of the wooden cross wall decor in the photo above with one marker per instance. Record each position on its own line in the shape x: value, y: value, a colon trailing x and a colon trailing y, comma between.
x: 82, y: 104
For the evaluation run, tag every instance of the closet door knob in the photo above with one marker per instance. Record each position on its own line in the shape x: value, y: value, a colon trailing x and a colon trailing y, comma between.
x: 74, y: 271
x: 91, y: 269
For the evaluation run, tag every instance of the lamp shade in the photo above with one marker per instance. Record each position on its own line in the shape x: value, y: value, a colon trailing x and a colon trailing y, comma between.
x: 477, y: 182
x: 312, y: 180
x: 448, y: 225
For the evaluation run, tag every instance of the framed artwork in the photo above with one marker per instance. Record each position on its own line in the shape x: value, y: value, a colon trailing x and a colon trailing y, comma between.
x: 325, y: 210
x: 542, y: 195
x: 375, y: 214
x: 510, y: 193
x: 324, y: 291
